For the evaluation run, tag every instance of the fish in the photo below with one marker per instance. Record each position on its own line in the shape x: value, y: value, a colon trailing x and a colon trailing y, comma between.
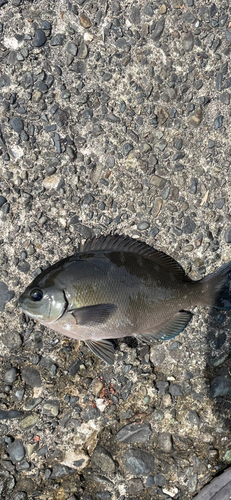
x: 115, y: 286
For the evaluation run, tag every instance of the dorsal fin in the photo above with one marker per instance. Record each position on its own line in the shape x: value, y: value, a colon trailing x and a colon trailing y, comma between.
x: 117, y: 243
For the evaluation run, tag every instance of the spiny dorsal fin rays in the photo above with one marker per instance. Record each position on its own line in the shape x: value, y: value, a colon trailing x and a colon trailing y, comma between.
x: 117, y: 243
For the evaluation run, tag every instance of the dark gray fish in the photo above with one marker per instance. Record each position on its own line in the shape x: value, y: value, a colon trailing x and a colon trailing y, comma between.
x: 115, y: 287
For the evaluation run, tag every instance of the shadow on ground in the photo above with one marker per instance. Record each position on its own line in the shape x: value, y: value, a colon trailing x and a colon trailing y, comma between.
x: 218, y: 363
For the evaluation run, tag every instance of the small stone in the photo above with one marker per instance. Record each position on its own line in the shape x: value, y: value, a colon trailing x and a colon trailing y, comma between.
x: 10, y: 376
x: 138, y: 462
x: 158, y: 181
x: 83, y: 51
x: 59, y: 471
x: 189, y: 226
x: 57, y: 39
x: 16, y: 450
x: 163, y: 387
x: 193, y: 417
x: 84, y: 20
x: 158, y: 31
x: 135, y: 15
x: 102, y: 459
x: 31, y: 376
x: 32, y: 403
x: 71, y: 48
x: 39, y: 38
x: 17, y: 124
x: 157, y: 205
x: 8, y: 415
x: 176, y: 390
x: 141, y: 226
x: 134, y: 486
x: 84, y: 231
x: 29, y: 422
x: 165, y: 442
x: 154, y: 231
x: 135, y: 433
x: 5, y: 295
x: 163, y: 9
x: 2, y: 200
x: 227, y: 239
x: 228, y: 35
x: 52, y: 182
x: 188, y: 42
x: 74, y: 367
x: 192, y: 484
x: 225, y: 98
x: 51, y: 407
x: 220, y: 386
x: 196, y: 117
x: 227, y: 456
x: 220, y: 203
x: 127, y: 147
x: 218, y: 122
x: 162, y: 115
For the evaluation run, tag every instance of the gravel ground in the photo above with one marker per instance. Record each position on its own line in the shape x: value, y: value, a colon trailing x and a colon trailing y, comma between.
x: 114, y: 118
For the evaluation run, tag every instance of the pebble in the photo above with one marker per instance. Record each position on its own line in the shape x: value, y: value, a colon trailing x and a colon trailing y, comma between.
x: 134, y: 486
x: 188, y: 42
x: 29, y: 422
x: 2, y: 200
x: 10, y: 376
x: 192, y: 484
x: 16, y: 450
x: 103, y: 460
x: 227, y: 239
x: 141, y: 226
x: 218, y: 122
x: 135, y: 433
x: 165, y: 442
x: 60, y: 471
x: 72, y: 49
x: 138, y: 462
x: 227, y: 456
x: 189, y: 226
x: 51, y: 407
x: 39, y: 38
x: 10, y: 414
x: 127, y: 147
x: 31, y: 376
x: 196, y: 117
x: 74, y: 368
x: 158, y: 31
x: 57, y: 40
x: 17, y: 124
x: 193, y: 417
x: 32, y: 403
x: 84, y: 20
x: 53, y: 181
x: 220, y: 386
x: 5, y: 295
x: 176, y: 390
x: 83, y: 52
x: 220, y: 203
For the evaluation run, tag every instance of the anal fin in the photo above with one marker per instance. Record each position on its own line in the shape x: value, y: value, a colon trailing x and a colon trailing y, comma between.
x: 104, y: 349
x: 170, y: 328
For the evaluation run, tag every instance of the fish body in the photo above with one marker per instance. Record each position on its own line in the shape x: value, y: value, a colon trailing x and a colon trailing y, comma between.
x: 115, y: 287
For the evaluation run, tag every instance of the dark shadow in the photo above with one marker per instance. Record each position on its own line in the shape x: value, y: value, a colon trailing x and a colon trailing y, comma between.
x: 218, y: 363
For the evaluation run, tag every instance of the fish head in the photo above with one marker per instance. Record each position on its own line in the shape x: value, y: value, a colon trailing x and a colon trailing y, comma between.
x: 43, y: 301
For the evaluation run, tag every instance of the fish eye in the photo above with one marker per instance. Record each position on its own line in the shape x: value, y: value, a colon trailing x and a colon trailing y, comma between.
x: 36, y: 294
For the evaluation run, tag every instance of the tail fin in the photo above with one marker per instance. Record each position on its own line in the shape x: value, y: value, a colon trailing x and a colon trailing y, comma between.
x: 216, y: 288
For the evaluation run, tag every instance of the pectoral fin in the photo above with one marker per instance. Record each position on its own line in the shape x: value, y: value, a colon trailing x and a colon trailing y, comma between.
x: 91, y: 315
x: 104, y: 349
x: 170, y: 328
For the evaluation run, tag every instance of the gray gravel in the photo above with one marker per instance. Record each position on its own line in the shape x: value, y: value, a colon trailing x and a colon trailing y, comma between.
x: 114, y: 117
